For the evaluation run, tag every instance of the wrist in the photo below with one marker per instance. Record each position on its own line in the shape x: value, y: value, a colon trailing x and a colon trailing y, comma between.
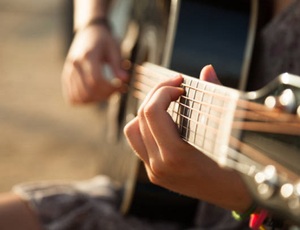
x: 87, y: 11
x: 97, y: 21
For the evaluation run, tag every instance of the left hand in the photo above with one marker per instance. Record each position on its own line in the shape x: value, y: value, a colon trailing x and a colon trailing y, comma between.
x: 174, y: 164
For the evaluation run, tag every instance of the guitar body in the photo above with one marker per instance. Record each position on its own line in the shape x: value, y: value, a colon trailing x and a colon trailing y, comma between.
x: 263, y: 142
x: 183, y: 36
x: 143, y: 33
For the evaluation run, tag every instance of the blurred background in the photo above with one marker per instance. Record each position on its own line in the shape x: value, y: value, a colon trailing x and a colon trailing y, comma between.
x: 41, y: 136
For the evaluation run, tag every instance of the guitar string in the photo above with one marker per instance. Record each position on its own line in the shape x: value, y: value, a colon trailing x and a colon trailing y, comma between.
x: 192, y: 100
x: 245, y: 114
x: 160, y: 73
x: 256, y: 108
x: 262, y: 125
x: 246, y: 125
x: 232, y: 155
x: 231, y: 161
x: 152, y: 82
x: 242, y: 104
x: 259, y: 126
x: 264, y: 114
x: 205, y: 117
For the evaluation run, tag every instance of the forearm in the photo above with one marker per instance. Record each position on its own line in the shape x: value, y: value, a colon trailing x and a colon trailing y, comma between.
x: 86, y: 11
x: 15, y: 214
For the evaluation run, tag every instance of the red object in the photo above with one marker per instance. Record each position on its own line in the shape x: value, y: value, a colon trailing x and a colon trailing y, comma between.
x: 257, y: 219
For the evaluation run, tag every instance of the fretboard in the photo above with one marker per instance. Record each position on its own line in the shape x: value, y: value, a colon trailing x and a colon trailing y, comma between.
x: 236, y: 130
x: 204, y: 114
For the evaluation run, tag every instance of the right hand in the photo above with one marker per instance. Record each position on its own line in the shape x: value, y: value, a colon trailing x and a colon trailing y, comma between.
x: 83, y: 79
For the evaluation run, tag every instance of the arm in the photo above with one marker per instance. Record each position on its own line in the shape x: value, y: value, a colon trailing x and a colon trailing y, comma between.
x: 15, y: 214
x: 93, y: 47
x: 87, y: 11
x: 172, y: 163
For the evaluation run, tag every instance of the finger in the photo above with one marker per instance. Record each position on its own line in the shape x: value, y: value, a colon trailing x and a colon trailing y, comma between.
x: 73, y: 89
x: 96, y: 83
x: 148, y: 137
x: 81, y: 85
x: 134, y: 138
x: 115, y: 61
x: 175, y: 81
x: 208, y: 74
x: 159, y: 121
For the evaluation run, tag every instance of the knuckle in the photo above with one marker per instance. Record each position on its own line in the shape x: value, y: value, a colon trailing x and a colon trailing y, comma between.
x: 73, y: 62
x: 87, y: 55
x: 129, y: 130
x: 154, y: 179
x: 77, y: 59
x: 157, y: 171
x: 72, y: 100
x: 84, y: 98
x: 149, y: 110
x: 76, y: 101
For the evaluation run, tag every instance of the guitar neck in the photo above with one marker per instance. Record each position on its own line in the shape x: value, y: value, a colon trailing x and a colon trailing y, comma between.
x: 212, y: 117
x: 204, y: 114
x: 237, y: 131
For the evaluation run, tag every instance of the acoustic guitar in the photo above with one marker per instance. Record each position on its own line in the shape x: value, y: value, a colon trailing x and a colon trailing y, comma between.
x: 255, y: 133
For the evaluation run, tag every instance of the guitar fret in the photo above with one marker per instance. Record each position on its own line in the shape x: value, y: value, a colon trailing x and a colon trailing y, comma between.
x: 210, y: 117
x: 207, y: 98
x: 204, y: 114
x: 199, y: 97
x: 194, y: 113
x: 174, y: 114
x: 183, y: 110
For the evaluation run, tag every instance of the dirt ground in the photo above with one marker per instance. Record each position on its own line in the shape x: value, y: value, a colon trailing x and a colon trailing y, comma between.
x: 41, y: 137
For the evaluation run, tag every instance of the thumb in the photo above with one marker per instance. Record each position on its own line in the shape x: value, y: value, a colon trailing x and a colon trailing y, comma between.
x: 115, y: 62
x: 208, y: 74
